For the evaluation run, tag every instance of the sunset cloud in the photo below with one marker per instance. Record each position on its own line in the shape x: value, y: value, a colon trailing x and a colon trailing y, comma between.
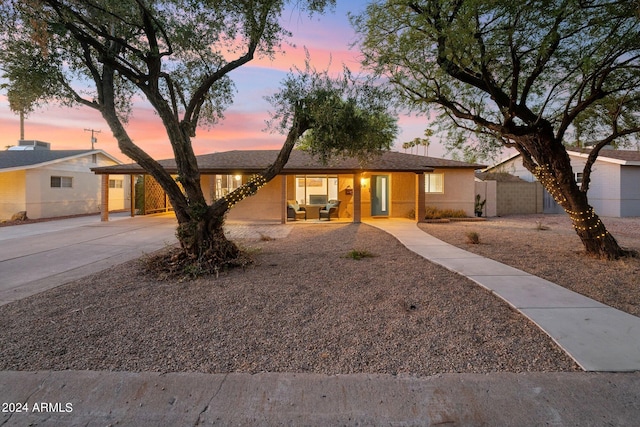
x: 327, y: 38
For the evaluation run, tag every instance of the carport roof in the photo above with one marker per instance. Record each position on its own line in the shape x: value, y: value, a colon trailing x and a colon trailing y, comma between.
x: 254, y: 161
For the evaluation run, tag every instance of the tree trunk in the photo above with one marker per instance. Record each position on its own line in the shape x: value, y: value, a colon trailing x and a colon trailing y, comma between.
x: 201, y: 234
x: 549, y: 162
x: 205, y: 245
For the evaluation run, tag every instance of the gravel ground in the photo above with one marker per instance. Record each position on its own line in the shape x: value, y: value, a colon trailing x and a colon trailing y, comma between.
x: 547, y: 246
x: 304, y: 306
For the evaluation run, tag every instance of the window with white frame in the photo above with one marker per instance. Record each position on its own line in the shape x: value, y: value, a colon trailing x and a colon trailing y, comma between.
x: 61, y: 182
x: 434, y: 183
x: 115, y: 183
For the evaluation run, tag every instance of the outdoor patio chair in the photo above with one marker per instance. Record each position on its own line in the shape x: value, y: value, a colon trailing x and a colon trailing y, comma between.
x: 295, y: 211
x: 330, y: 209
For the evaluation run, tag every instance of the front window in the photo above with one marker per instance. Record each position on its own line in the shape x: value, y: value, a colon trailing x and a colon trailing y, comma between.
x: 434, y: 183
x: 61, y: 182
x: 316, y: 189
x: 226, y: 184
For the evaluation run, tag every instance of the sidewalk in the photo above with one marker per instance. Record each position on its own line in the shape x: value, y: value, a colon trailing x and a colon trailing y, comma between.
x: 85, y: 398
x: 596, y: 336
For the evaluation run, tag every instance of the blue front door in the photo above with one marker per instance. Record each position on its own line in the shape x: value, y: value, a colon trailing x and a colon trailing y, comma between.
x: 379, y: 195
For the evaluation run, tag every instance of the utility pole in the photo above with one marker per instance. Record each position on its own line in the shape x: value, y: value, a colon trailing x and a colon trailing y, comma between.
x: 93, y: 139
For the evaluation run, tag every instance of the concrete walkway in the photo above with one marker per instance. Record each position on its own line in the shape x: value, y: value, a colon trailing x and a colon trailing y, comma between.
x: 596, y: 336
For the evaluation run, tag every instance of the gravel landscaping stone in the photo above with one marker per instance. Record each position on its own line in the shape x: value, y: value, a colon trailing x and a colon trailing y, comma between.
x: 303, y: 306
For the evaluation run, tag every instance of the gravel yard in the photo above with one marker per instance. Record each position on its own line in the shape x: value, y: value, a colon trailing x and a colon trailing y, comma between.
x: 303, y: 306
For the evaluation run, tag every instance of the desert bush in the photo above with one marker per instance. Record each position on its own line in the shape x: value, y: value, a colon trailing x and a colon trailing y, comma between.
x: 473, y: 238
x: 359, y: 254
x: 434, y: 213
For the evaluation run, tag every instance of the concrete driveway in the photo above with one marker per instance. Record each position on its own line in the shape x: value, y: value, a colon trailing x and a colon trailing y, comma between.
x: 40, y: 256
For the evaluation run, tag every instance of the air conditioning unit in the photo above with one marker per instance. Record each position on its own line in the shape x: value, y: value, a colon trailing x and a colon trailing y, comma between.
x: 24, y: 145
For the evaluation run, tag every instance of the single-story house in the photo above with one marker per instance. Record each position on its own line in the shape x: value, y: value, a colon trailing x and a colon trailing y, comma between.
x: 49, y: 183
x: 390, y: 185
x: 613, y: 190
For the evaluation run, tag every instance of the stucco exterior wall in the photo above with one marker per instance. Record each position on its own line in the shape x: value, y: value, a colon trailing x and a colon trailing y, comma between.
x: 459, y: 191
x: 43, y: 201
x: 488, y: 191
x: 12, y: 193
x: 403, y: 193
x: 345, y: 185
x: 604, y: 188
x: 265, y: 205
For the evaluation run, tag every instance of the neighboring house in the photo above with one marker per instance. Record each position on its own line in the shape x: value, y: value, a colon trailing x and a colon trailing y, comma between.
x: 390, y: 185
x: 613, y: 191
x: 49, y: 183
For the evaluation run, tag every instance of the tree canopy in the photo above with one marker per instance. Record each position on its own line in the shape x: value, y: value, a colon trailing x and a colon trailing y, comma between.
x: 532, y: 75
x: 179, y: 56
x: 496, y: 68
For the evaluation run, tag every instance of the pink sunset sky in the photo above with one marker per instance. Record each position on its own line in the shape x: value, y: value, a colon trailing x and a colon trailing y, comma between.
x: 327, y: 38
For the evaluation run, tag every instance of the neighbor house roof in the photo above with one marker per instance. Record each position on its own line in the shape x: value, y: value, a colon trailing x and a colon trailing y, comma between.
x: 18, y: 160
x: 621, y: 157
x: 498, y: 176
x: 254, y: 161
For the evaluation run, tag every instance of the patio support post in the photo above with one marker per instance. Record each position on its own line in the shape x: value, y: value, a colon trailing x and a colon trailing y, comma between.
x: 104, y: 202
x: 283, y: 205
x: 420, y: 208
x: 132, y: 192
x: 357, y: 197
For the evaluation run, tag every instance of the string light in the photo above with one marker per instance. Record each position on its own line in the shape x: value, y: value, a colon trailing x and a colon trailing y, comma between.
x: 580, y: 220
x: 546, y: 178
x: 255, y: 183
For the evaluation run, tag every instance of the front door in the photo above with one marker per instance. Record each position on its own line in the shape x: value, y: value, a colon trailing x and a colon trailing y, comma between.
x: 379, y: 195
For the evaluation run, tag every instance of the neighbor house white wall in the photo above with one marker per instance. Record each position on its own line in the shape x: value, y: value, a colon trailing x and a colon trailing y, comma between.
x: 604, y: 188
x: 43, y: 201
x: 630, y: 191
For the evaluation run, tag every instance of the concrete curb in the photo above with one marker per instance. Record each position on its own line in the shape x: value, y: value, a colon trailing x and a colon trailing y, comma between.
x: 74, y: 398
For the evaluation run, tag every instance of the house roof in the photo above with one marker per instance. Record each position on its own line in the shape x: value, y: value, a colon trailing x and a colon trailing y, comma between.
x: 254, y: 161
x: 29, y: 159
x: 622, y: 157
x: 498, y: 176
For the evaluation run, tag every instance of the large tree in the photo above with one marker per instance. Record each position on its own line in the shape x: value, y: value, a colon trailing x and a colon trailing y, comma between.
x: 177, y: 55
x: 531, y: 75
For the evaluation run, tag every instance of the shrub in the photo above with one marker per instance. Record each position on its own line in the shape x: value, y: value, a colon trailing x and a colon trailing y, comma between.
x: 434, y: 213
x: 359, y: 254
x: 473, y: 238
